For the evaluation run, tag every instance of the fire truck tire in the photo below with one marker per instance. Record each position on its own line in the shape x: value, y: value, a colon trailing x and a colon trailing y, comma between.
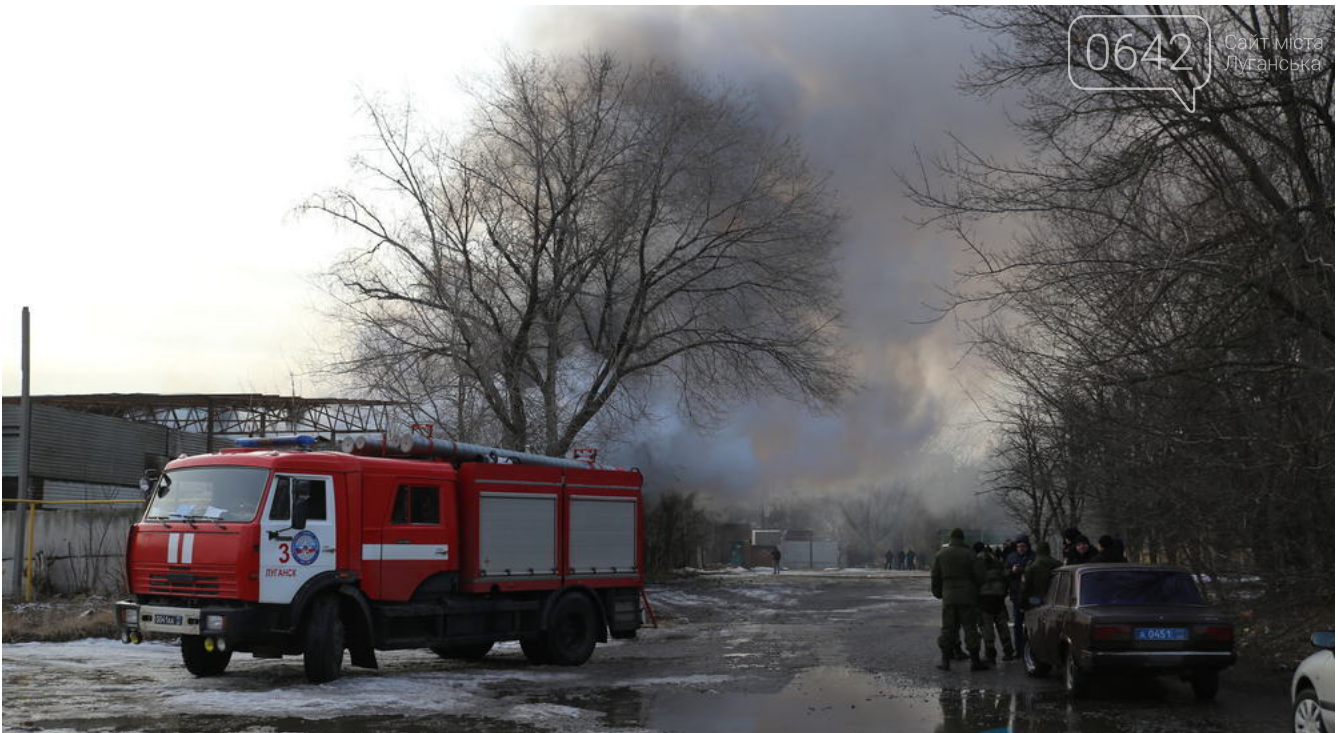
x: 573, y: 630
x: 464, y: 651
x: 200, y: 661
x: 323, y: 651
x: 536, y: 650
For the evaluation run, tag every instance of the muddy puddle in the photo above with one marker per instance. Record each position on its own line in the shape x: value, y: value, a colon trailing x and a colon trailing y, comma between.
x: 832, y: 699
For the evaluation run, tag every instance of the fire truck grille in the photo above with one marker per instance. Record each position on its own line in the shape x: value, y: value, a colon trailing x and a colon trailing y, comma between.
x: 186, y: 580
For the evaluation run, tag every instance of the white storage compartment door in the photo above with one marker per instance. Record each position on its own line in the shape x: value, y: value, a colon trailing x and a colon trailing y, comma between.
x: 517, y: 535
x: 603, y: 535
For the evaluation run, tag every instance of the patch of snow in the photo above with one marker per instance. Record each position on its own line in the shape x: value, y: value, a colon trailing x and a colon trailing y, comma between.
x: 363, y: 693
x: 678, y: 598
x: 539, y: 712
x: 691, y: 679
x: 91, y: 652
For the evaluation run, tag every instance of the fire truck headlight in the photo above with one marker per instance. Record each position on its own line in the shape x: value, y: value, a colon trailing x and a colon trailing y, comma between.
x: 130, y: 616
x: 215, y: 623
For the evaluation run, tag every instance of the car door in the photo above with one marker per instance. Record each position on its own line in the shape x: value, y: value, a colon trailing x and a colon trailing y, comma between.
x: 290, y: 557
x: 1050, y: 621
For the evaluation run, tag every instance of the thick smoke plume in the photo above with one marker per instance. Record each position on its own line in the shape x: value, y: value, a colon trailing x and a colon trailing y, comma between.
x: 862, y: 89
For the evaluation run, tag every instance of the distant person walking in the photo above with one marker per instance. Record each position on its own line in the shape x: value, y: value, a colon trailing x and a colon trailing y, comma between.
x: 888, y: 557
x: 775, y: 560
x: 993, y: 612
x: 956, y: 579
x: 910, y: 560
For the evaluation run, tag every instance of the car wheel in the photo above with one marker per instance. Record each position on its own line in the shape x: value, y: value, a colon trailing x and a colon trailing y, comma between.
x: 464, y: 651
x: 573, y: 630
x: 200, y: 661
x: 1306, y: 714
x: 1075, y: 680
x: 1034, y: 668
x: 323, y: 646
x: 1204, y: 682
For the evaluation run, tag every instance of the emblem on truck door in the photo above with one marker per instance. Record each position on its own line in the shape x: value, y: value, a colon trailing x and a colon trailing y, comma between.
x: 306, y: 547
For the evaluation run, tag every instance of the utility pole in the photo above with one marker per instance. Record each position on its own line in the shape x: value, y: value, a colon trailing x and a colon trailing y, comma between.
x: 25, y: 448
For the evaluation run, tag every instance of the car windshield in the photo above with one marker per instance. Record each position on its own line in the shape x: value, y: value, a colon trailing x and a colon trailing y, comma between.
x: 222, y: 493
x: 1138, y: 587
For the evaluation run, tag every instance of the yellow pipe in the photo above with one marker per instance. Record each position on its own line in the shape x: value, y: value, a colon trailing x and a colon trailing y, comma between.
x: 28, y: 574
x: 32, y: 516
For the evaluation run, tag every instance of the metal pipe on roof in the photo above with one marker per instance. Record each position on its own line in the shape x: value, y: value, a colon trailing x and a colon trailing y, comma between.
x: 376, y: 444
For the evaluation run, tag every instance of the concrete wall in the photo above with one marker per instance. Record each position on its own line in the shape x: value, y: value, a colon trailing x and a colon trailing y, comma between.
x: 75, y: 552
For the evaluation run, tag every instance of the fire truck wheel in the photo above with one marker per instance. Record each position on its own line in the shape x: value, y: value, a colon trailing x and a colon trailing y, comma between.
x: 464, y: 651
x: 323, y: 654
x: 573, y: 630
x: 536, y: 650
x: 200, y: 661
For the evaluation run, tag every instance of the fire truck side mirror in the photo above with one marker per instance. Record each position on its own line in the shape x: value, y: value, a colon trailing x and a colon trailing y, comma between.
x: 300, y: 497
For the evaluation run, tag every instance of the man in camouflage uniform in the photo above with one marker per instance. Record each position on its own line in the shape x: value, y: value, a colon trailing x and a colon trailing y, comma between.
x: 1036, y: 578
x: 956, y: 580
x: 993, y: 614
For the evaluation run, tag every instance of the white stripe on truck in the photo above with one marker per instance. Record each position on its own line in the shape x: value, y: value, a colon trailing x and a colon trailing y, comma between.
x: 406, y: 552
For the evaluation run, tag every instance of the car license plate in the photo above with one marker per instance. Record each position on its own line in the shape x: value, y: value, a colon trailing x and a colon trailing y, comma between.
x: 1161, y: 634
x: 163, y: 619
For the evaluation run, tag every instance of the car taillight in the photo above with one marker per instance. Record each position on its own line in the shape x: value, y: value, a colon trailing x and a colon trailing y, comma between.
x: 1217, y: 633
x: 1112, y: 632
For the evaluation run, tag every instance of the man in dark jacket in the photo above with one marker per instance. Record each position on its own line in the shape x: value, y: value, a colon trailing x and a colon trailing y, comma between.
x: 1070, y: 536
x: 1014, y: 565
x: 1036, y: 579
x: 1110, y: 549
x: 1081, y: 552
x: 993, y: 614
x: 956, y: 580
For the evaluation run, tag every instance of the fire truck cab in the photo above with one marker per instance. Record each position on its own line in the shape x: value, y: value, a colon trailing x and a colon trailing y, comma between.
x: 277, y: 552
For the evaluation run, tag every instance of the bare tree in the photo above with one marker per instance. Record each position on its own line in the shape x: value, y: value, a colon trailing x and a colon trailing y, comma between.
x: 1162, y: 317
x: 595, y: 231
x: 874, y: 519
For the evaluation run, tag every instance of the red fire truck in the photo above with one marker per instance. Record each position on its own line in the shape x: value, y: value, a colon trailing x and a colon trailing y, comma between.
x: 274, y: 548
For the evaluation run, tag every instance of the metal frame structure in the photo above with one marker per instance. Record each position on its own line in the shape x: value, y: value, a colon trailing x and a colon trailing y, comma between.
x: 235, y: 415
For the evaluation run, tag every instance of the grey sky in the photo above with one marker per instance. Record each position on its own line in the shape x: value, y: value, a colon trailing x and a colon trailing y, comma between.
x: 153, y: 160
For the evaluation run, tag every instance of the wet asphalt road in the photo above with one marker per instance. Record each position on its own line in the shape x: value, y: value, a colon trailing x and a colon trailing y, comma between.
x: 754, y: 653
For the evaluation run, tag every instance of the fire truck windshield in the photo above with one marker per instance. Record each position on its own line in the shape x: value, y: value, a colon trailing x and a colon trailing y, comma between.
x: 217, y: 493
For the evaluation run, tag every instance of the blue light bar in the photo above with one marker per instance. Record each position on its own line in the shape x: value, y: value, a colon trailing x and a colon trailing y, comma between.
x: 279, y: 441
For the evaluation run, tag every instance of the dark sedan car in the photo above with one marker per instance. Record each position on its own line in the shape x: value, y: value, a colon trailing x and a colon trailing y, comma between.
x: 1127, y: 619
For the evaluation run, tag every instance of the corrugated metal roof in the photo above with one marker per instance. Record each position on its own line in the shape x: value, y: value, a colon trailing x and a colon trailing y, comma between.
x: 81, y: 447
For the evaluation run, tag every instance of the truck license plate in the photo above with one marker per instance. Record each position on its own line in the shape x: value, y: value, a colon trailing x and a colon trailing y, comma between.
x: 169, y: 620
x: 1161, y: 634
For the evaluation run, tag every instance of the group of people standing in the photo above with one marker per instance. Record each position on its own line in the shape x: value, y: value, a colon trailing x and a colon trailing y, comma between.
x: 899, y: 560
x: 973, y: 581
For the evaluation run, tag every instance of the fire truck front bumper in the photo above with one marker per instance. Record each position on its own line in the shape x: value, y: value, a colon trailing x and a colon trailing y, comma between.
x: 220, y: 623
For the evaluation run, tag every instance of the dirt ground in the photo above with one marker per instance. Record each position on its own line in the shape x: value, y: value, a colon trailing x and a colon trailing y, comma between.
x: 836, y: 652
